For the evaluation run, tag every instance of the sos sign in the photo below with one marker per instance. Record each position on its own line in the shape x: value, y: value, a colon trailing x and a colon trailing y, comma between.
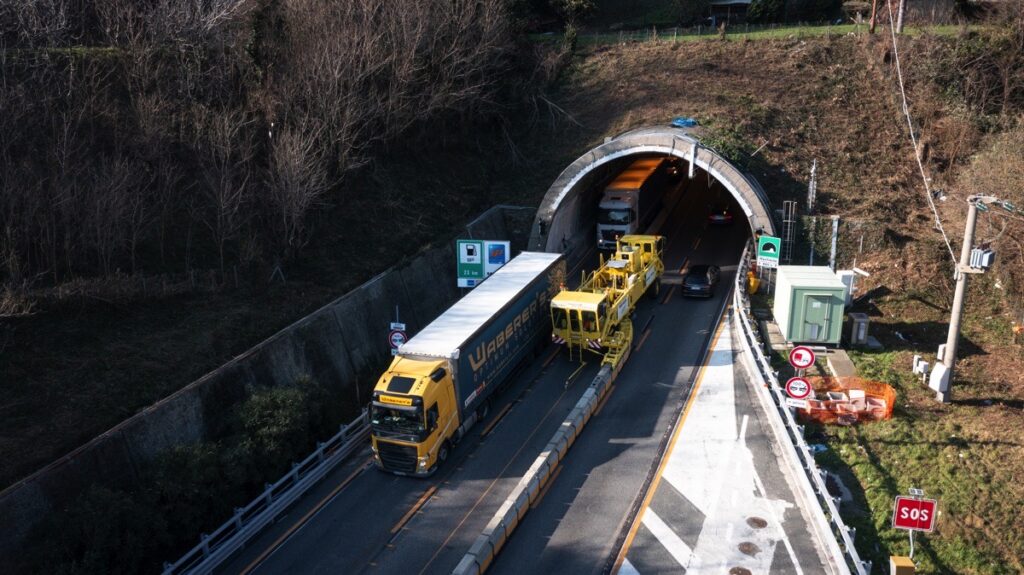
x: 914, y: 514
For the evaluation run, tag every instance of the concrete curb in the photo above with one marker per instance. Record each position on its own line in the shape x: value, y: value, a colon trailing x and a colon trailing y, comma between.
x: 490, y: 541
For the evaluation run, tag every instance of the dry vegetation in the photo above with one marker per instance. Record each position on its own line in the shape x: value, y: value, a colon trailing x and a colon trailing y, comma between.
x: 836, y: 100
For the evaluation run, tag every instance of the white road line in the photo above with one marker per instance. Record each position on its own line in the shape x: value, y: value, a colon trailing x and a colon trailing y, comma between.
x: 778, y: 525
x: 743, y: 430
x: 627, y: 569
x: 728, y: 532
x: 676, y: 547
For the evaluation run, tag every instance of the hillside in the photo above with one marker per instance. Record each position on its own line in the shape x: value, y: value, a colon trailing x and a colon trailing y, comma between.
x: 773, y: 106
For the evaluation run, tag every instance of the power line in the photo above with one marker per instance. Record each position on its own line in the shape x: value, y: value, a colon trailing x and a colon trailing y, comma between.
x: 913, y: 138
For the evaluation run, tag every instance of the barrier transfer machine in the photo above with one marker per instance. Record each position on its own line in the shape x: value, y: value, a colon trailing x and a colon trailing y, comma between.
x: 595, y: 317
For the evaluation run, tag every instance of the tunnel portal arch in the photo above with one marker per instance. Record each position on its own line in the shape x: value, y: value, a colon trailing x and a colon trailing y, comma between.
x: 561, y: 225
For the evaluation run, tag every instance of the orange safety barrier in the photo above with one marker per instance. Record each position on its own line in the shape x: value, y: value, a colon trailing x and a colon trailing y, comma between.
x: 848, y: 400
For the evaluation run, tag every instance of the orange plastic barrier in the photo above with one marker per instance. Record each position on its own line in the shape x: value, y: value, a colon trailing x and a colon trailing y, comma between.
x: 848, y: 400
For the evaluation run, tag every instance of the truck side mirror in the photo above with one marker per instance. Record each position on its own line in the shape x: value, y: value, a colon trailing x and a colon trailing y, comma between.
x: 438, y: 374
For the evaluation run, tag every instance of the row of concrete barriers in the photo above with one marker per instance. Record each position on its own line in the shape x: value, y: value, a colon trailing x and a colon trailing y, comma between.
x: 493, y: 537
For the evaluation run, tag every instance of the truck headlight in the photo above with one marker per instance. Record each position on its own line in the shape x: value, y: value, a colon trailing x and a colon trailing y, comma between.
x: 423, y: 461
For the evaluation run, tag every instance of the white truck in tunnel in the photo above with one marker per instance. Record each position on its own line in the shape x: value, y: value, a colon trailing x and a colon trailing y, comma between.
x: 631, y: 201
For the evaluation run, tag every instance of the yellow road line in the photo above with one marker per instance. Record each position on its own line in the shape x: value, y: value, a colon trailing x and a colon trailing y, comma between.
x: 415, y: 507
x: 498, y: 476
x: 669, y: 295
x: 604, y: 400
x: 495, y: 420
x: 683, y: 267
x: 543, y: 492
x: 668, y: 450
x: 647, y: 333
x: 550, y: 358
x: 273, y: 546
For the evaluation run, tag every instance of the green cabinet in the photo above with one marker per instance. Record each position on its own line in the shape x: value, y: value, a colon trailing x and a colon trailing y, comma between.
x: 809, y: 304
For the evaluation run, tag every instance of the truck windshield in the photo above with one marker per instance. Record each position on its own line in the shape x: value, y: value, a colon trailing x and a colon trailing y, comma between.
x: 391, y: 422
x: 615, y: 217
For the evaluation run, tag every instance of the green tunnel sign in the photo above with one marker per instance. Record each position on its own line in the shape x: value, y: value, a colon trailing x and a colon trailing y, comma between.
x: 768, y: 249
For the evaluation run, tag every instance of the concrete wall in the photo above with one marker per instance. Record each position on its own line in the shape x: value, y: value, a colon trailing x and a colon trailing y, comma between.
x: 343, y: 344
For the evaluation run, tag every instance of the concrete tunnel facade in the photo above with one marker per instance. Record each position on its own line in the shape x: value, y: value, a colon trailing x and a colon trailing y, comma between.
x: 564, y: 220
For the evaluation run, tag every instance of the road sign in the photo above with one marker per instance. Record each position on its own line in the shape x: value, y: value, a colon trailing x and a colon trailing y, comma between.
x: 478, y: 259
x: 798, y: 388
x: 398, y: 326
x: 396, y: 338
x: 470, y: 262
x: 768, y: 250
x: 914, y: 514
x: 801, y: 357
x: 798, y: 403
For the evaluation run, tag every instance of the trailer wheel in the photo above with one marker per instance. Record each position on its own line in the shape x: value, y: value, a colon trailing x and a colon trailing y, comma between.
x: 483, y: 410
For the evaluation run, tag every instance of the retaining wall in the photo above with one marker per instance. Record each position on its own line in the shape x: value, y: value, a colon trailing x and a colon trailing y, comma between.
x: 343, y: 345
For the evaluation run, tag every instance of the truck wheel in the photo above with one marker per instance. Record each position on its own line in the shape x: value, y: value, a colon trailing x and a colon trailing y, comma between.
x: 442, y: 454
x: 483, y: 410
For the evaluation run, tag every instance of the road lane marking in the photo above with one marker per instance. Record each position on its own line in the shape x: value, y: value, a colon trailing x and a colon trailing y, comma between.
x: 604, y: 400
x: 675, y: 546
x: 498, y: 476
x: 628, y: 569
x: 415, y: 507
x: 643, y: 338
x: 551, y: 357
x: 682, y: 268
x: 669, y: 295
x: 316, y: 509
x: 543, y: 492
x: 494, y: 421
x: 670, y: 447
x: 697, y: 243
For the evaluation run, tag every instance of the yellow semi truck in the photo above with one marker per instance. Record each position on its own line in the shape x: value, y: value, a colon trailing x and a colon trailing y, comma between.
x: 594, y: 317
x: 441, y: 381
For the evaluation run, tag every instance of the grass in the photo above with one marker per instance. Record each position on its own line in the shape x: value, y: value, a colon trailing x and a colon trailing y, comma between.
x: 742, y: 33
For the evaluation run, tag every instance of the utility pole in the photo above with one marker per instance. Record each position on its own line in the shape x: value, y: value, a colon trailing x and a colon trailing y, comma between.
x: 942, y: 376
x: 899, y: 16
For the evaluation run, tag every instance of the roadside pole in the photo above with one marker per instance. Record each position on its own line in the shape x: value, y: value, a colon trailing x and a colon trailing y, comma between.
x: 958, y: 300
x: 899, y: 16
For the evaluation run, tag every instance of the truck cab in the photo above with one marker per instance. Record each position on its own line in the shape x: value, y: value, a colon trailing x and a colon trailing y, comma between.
x: 617, y: 217
x: 413, y: 416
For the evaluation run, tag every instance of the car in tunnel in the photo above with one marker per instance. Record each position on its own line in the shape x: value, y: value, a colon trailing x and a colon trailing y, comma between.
x: 719, y: 215
x: 700, y: 281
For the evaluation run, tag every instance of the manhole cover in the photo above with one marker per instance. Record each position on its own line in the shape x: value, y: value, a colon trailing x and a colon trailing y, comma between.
x: 748, y: 548
x: 739, y: 571
x: 757, y: 522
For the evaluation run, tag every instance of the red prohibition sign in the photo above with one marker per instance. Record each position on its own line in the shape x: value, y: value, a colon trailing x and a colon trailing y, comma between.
x: 798, y: 388
x: 801, y: 357
x: 396, y: 338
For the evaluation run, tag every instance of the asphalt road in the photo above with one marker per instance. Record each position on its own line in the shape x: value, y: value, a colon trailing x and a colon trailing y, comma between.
x: 360, y: 520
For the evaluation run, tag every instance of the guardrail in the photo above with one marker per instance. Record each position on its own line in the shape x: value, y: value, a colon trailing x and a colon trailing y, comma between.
x: 782, y: 416
x: 216, y: 547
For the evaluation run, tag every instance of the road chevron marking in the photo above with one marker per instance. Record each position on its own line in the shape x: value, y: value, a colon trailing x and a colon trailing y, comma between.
x: 676, y: 547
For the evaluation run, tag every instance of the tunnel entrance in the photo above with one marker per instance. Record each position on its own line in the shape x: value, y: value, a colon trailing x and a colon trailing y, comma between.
x: 567, y: 217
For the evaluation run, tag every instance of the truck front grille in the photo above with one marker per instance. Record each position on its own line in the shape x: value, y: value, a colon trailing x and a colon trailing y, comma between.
x: 394, y: 457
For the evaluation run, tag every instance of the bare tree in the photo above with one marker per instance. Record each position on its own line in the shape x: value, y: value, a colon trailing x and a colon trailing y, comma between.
x: 225, y: 148
x: 298, y: 180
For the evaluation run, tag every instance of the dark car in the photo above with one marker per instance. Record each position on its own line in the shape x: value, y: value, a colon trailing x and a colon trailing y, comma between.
x: 701, y: 281
x: 720, y: 215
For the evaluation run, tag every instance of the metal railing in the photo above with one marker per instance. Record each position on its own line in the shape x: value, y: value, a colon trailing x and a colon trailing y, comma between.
x: 826, y: 503
x: 214, y: 548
